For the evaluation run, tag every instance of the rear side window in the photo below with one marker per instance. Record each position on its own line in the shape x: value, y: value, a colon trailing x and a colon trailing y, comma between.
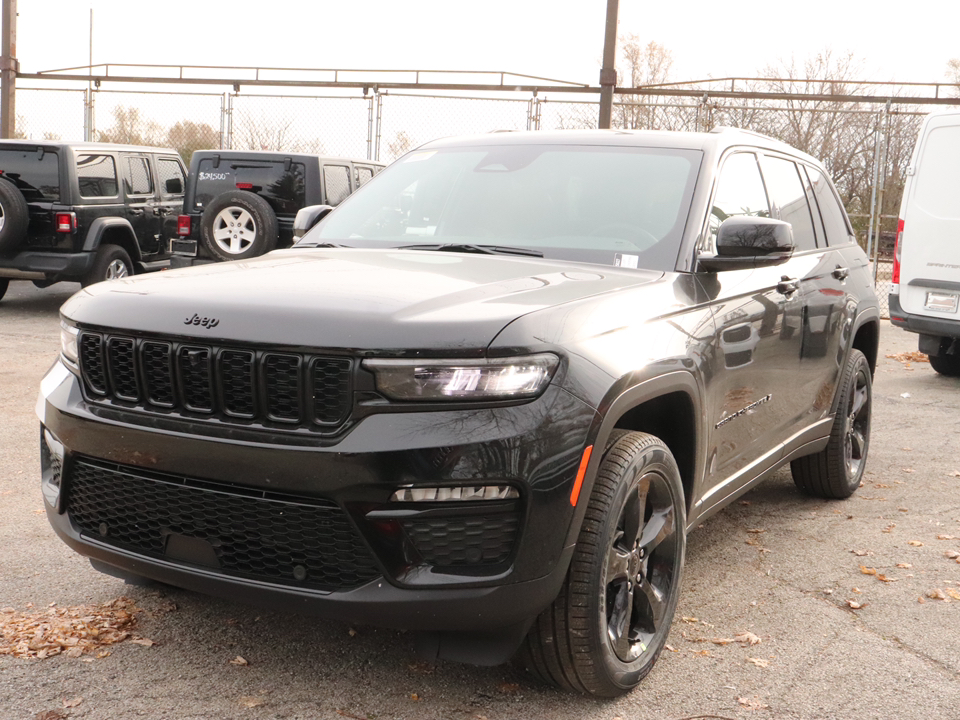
x: 279, y: 183
x: 137, y: 180
x: 336, y: 180
x: 786, y: 190
x: 171, y: 176
x: 364, y: 175
x: 938, y: 185
x: 97, y: 176
x: 36, y: 176
x: 838, y: 232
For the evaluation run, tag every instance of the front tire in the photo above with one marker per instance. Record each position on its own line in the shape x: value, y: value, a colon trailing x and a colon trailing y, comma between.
x: 835, y: 471
x: 606, y: 629
x: 111, y: 263
x: 4, y: 284
x: 238, y: 225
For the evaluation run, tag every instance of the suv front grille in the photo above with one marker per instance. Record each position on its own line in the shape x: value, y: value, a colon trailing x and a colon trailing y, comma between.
x: 233, y: 385
x: 288, y: 540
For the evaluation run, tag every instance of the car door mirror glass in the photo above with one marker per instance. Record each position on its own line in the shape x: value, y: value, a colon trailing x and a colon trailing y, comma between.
x: 173, y: 186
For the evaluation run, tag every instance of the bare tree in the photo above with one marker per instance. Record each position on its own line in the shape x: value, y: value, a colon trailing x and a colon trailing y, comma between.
x: 953, y: 74
x: 130, y: 128
x: 187, y: 136
x: 402, y: 143
x: 263, y: 133
x: 642, y: 66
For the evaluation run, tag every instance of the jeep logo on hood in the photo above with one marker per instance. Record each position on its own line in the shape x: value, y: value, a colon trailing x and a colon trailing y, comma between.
x: 206, y: 322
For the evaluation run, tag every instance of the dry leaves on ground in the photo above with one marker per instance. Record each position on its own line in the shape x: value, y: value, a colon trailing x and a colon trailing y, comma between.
x: 51, y: 715
x: 239, y: 660
x: 854, y: 605
x: 251, y: 701
x: 72, y: 631
x: 759, y: 662
x: 753, y: 703
x: 909, y: 357
x: 915, y: 543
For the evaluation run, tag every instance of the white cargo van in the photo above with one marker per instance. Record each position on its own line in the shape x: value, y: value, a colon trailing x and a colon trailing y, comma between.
x: 925, y: 297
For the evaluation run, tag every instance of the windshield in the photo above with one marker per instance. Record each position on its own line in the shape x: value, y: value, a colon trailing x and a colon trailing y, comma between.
x: 610, y: 205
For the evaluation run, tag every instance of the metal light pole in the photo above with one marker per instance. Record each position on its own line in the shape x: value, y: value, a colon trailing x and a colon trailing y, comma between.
x: 608, y: 73
x: 8, y: 71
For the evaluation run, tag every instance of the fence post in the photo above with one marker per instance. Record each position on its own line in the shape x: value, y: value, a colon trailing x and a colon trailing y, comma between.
x: 86, y: 115
x: 370, y: 123
x: 229, y: 115
x: 378, y: 125
x: 880, y: 193
x: 873, y: 188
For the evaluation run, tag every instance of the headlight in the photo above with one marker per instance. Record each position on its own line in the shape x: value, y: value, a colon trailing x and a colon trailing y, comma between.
x: 68, y: 343
x: 497, y: 379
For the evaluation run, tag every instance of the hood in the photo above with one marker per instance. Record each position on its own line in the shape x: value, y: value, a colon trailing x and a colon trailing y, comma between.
x: 365, y: 300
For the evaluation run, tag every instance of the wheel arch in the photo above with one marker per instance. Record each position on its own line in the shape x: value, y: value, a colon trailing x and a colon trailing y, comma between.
x: 866, y: 338
x: 667, y: 406
x: 115, y: 231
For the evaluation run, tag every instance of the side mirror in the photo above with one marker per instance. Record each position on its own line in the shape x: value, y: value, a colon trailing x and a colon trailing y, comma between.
x: 174, y: 186
x: 308, y: 217
x: 750, y: 242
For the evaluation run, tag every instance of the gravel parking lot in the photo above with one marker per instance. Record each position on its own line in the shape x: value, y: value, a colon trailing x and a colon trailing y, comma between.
x: 856, y: 604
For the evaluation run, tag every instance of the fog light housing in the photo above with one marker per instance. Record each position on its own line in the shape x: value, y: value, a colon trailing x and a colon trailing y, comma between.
x: 51, y: 466
x: 453, y: 494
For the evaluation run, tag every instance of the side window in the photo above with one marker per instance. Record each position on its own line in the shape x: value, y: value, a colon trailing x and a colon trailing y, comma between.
x: 838, y: 232
x: 336, y: 181
x: 786, y: 190
x: 136, y: 178
x: 97, y: 176
x: 171, y: 176
x: 740, y: 191
x: 364, y: 175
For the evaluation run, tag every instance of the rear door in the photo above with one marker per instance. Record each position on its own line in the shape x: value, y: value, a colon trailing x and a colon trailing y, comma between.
x: 930, y: 246
x: 142, y: 209
x: 171, y: 179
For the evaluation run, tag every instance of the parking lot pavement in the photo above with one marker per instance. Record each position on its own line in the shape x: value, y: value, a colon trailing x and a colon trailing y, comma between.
x: 852, y: 602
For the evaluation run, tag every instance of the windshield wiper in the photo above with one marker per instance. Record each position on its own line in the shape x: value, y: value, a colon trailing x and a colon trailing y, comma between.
x: 479, y: 249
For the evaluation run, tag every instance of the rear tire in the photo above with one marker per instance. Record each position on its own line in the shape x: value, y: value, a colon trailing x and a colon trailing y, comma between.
x: 14, y: 216
x: 835, y: 471
x: 238, y: 225
x: 111, y: 263
x: 4, y: 284
x: 607, y: 627
x: 948, y: 365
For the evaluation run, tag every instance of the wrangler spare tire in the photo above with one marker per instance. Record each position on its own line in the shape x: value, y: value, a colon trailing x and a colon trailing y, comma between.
x: 238, y: 225
x: 14, y: 216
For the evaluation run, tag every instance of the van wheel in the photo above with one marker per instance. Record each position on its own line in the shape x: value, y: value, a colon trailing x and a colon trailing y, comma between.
x: 238, y: 225
x: 835, y: 471
x: 948, y: 365
x: 4, y: 284
x: 14, y: 216
x: 606, y: 629
x: 111, y: 263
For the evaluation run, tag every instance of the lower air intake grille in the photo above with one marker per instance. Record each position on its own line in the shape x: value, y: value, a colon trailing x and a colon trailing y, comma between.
x: 454, y: 541
x: 284, y: 539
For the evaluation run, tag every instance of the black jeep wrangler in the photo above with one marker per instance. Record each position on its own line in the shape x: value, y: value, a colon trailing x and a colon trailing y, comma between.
x: 485, y: 399
x: 85, y: 212
x: 242, y: 203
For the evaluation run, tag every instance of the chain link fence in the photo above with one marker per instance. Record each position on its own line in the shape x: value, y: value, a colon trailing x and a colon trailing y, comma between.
x: 865, y: 145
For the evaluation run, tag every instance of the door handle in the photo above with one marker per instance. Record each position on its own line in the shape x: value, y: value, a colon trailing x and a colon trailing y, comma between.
x: 135, y: 211
x: 787, y: 285
x: 156, y: 211
x: 841, y: 273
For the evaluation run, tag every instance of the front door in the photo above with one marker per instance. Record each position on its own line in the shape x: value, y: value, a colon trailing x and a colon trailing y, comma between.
x: 142, y: 207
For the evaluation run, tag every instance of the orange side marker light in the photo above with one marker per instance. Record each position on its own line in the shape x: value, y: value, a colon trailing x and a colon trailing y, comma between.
x: 584, y: 461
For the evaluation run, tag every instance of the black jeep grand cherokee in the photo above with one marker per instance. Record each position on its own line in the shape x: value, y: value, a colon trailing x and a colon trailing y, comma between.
x: 485, y: 399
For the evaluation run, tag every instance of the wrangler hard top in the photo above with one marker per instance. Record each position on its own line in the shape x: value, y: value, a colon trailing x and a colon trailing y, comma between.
x: 85, y: 212
x: 242, y: 203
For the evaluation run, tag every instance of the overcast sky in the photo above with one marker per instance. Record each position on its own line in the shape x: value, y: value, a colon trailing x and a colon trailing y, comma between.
x: 557, y: 38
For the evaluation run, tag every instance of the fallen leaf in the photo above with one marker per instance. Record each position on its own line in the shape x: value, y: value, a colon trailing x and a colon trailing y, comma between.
x: 759, y: 662
x: 921, y: 600
x: 51, y: 715
x: 954, y: 593
x: 422, y: 667
x: 946, y: 537
x: 747, y: 638
x: 753, y: 703
x: 884, y: 578
x: 351, y: 632
x: 757, y: 531
x: 889, y: 528
x: 143, y: 641
x: 238, y: 660
x: 908, y: 470
x: 915, y: 543
x: 905, y: 566
x: 861, y: 553
x: 72, y: 703
x: 701, y: 653
x: 671, y: 648
x: 508, y: 687
x: 952, y: 554
x: 721, y: 641
x: 251, y: 701
x: 414, y: 697
x: 955, y: 473
x: 854, y: 605
x: 868, y: 570
x: 936, y: 595
x: 689, y: 619
x: 745, y: 502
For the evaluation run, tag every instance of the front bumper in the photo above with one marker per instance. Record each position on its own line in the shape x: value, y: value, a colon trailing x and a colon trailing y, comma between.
x: 535, y: 447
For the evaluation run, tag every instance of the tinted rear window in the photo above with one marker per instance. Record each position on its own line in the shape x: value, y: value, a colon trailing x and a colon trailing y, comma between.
x: 38, y: 178
x: 283, y: 189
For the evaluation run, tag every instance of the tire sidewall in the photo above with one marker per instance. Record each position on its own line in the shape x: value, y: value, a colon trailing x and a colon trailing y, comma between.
x: 262, y: 214
x: 106, y: 254
x: 657, y: 459
x: 16, y: 216
x: 857, y: 364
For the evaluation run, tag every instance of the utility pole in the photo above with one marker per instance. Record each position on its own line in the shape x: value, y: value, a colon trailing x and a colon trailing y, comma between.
x: 9, y: 67
x: 608, y: 73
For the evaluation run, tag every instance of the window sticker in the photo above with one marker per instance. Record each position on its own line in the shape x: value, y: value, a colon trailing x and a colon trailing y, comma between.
x: 630, y: 261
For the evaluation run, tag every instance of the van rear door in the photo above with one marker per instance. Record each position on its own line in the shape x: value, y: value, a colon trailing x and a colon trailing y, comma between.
x: 930, y: 245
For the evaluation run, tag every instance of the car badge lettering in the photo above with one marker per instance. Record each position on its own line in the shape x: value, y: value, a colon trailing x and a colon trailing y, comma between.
x: 206, y: 322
